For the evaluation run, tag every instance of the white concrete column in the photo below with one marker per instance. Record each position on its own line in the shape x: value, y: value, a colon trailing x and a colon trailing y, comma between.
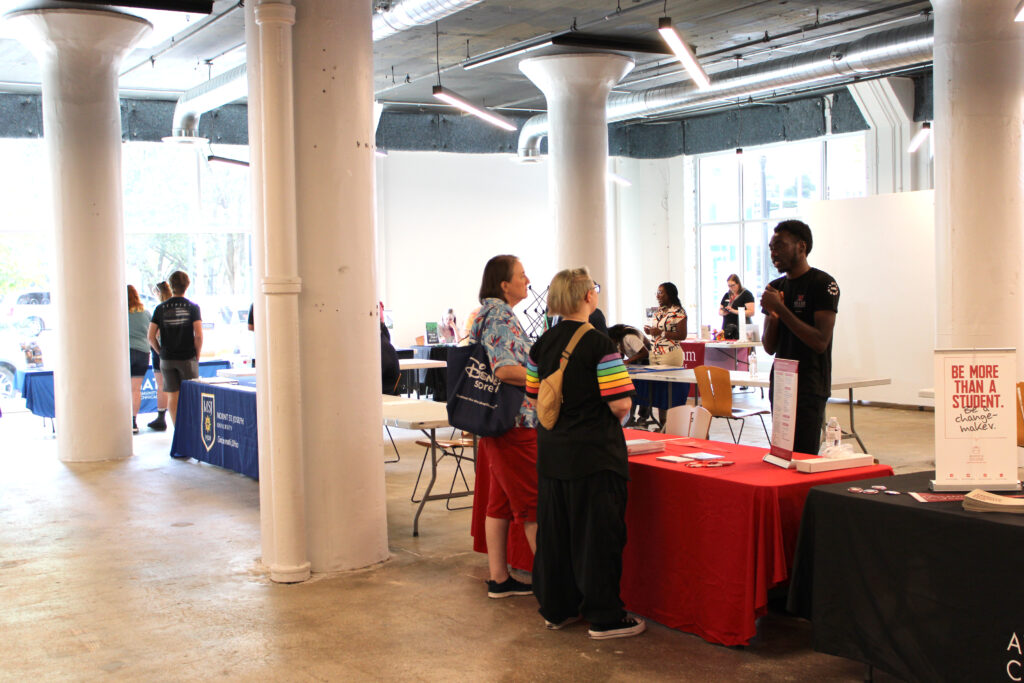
x: 280, y: 288
x: 979, y: 178
x: 79, y: 53
x: 259, y: 262
x: 576, y: 87
x: 339, y: 324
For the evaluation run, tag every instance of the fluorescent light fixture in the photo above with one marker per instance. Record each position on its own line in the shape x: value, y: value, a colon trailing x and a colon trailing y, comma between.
x: 1018, y: 14
x: 619, y: 180
x: 446, y: 95
x: 922, y: 135
x: 684, y: 53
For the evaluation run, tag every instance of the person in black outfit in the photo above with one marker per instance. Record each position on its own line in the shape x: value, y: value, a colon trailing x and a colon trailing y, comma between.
x: 800, y: 315
x: 735, y: 300
x: 390, y: 368
x: 176, y: 333
x: 582, y: 470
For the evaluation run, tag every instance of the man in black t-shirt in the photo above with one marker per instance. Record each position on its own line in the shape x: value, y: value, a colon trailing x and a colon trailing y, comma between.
x: 176, y: 333
x: 800, y: 315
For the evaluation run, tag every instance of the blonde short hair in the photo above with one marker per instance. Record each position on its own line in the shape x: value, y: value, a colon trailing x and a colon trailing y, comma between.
x: 568, y: 289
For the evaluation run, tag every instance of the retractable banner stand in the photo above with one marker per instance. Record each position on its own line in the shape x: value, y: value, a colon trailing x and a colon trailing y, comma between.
x: 783, y: 413
x: 975, y: 420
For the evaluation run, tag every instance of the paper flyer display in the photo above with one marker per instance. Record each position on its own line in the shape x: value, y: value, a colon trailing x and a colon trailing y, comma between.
x: 783, y: 412
x: 975, y: 419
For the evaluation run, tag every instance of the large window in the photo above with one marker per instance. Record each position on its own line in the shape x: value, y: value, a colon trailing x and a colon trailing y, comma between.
x: 181, y: 212
x: 741, y: 197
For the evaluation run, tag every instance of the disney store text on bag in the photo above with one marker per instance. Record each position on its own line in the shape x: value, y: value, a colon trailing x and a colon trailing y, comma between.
x: 478, y: 402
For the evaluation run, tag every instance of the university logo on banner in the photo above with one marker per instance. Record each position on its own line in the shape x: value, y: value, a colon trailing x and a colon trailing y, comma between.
x: 208, y: 420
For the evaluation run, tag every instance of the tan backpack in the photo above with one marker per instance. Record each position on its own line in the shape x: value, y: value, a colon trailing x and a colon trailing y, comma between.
x: 549, y: 395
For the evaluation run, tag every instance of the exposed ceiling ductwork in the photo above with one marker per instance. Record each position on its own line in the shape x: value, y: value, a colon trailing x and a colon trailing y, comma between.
x: 216, y: 92
x: 406, y: 14
x: 232, y: 85
x: 876, y: 53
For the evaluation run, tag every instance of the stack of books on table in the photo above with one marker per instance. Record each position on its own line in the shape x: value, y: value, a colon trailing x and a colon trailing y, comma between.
x: 638, y: 446
x: 983, y: 501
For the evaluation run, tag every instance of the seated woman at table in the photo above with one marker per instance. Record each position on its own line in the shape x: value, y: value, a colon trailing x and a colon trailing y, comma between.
x: 668, y: 327
x: 513, y: 455
x: 735, y: 300
x: 582, y: 470
x: 633, y: 345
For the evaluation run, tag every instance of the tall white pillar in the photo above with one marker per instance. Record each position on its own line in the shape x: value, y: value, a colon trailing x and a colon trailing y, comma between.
x: 280, y: 288
x: 576, y: 87
x: 79, y: 53
x: 259, y: 263
x: 979, y: 178
x: 339, y: 323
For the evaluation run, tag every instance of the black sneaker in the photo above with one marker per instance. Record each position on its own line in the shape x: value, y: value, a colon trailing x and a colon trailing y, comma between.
x: 508, y: 588
x: 558, y: 626
x: 158, y: 425
x: 624, y: 628
x: 135, y: 427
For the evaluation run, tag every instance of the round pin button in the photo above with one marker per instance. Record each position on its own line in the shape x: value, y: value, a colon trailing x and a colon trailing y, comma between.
x: 893, y: 493
x: 878, y: 487
x: 871, y: 491
x: 855, y: 489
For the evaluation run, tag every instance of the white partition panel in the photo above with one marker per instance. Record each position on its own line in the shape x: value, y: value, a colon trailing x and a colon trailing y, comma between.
x: 881, y: 250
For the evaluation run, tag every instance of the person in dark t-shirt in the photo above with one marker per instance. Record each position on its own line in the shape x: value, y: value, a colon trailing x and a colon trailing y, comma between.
x: 176, y: 333
x: 582, y: 469
x: 800, y: 315
x: 735, y: 300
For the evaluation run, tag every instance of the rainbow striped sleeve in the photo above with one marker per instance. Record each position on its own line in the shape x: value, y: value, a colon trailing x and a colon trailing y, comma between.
x: 532, y: 379
x: 612, y: 378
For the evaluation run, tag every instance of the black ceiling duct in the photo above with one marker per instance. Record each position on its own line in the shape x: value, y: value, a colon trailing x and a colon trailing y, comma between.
x: 194, y: 6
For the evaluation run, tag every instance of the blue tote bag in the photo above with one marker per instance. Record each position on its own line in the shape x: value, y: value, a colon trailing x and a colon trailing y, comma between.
x: 478, y: 402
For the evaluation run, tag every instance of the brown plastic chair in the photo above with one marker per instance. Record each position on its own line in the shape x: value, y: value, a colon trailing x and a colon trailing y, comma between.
x: 1020, y: 414
x: 453, y: 448
x: 716, y: 395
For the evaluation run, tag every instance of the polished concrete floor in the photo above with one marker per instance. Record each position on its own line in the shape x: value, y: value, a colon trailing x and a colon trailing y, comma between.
x: 148, y: 569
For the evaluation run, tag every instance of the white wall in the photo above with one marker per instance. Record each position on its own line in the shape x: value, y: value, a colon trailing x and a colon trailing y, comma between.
x: 654, y: 236
x: 440, y: 217
x: 881, y: 250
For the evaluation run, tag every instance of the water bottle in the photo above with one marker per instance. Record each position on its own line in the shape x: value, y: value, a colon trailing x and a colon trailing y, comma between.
x: 833, y: 432
x: 752, y: 363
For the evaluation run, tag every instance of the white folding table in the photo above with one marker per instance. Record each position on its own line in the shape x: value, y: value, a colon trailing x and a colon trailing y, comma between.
x: 428, y: 417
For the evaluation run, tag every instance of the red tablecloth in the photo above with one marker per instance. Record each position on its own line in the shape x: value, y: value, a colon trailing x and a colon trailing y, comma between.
x: 704, y: 545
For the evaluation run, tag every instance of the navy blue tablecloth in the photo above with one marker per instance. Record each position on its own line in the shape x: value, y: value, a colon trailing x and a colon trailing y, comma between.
x: 217, y: 424
x: 37, y: 387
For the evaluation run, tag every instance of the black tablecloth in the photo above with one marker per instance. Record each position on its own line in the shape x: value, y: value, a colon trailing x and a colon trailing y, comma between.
x: 925, y: 591
x: 435, y: 380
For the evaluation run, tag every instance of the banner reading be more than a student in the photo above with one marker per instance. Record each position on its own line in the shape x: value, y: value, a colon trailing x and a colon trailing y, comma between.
x: 975, y: 418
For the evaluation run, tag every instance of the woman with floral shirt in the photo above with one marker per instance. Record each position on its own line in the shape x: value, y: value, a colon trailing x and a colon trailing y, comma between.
x: 513, y: 455
x: 669, y: 327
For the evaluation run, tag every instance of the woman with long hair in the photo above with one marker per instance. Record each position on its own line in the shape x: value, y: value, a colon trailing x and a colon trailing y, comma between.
x: 138, y: 349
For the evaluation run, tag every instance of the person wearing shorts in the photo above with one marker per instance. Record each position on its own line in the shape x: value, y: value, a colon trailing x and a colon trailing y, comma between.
x: 176, y: 333
x: 512, y: 487
x: 138, y: 350
x: 162, y: 290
